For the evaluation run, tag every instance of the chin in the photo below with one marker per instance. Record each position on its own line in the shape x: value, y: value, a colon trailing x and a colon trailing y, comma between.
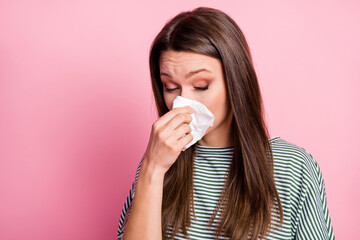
x: 208, y: 130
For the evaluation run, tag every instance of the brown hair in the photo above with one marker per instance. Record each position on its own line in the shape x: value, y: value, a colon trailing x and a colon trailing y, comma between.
x: 249, y: 193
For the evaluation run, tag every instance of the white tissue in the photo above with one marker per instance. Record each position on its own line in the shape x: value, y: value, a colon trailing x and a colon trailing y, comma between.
x: 202, y: 119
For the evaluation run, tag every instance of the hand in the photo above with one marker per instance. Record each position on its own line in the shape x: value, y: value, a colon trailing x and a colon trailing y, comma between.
x: 169, y: 135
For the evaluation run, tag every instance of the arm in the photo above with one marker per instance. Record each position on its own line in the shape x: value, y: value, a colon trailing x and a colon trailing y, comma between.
x: 145, y: 219
x: 314, y: 219
x: 169, y: 136
x: 127, y: 206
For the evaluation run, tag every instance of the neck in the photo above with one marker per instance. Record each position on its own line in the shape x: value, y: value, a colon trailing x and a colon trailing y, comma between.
x: 219, y: 137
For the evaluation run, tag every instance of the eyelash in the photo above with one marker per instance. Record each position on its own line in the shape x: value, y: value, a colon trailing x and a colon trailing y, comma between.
x: 197, y: 88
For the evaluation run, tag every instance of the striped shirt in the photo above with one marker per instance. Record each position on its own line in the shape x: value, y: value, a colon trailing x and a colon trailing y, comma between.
x: 298, y: 180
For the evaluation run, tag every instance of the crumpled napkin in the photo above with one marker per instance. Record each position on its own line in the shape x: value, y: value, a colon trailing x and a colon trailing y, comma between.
x: 202, y: 119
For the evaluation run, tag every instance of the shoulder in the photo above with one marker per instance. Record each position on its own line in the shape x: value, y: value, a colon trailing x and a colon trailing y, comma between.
x: 283, y: 149
x: 286, y: 153
x: 301, y: 189
x: 294, y: 164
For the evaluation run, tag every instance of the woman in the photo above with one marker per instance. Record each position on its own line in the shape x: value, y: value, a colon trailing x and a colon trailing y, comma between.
x: 235, y: 183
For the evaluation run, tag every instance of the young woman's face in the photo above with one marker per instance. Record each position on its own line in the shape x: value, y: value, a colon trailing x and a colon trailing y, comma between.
x: 198, y: 77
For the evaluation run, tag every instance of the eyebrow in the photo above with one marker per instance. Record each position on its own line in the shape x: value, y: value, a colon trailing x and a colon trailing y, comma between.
x: 188, y: 75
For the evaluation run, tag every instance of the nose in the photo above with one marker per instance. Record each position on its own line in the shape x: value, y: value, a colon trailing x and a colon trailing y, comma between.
x: 185, y: 94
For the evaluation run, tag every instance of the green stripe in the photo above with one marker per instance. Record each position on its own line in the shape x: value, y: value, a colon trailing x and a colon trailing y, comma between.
x: 298, y: 180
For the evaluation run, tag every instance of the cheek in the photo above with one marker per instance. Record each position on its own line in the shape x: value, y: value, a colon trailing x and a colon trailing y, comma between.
x: 169, y: 100
x: 218, y: 106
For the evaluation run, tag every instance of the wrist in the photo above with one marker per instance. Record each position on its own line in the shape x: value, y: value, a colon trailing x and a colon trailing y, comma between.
x: 151, y: 172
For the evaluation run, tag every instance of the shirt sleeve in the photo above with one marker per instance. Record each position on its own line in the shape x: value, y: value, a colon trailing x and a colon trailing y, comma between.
x: 127, y: 206
x: 313, y: 218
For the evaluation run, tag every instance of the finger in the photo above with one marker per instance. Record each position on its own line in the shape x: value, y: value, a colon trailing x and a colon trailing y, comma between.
x: 180, y: 132
x: 172, y: 113
x: 185, y: 140
x: 177, y: 120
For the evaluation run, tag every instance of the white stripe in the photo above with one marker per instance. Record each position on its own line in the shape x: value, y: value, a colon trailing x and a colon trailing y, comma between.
x: 298, y: 180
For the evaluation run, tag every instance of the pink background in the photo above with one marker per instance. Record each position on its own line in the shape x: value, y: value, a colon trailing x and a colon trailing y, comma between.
x: 76, y: 105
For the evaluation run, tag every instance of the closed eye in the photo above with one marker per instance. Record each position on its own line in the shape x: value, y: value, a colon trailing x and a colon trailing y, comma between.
x: 197, y: 88
x: 170, y: 89
x: 202, y: 88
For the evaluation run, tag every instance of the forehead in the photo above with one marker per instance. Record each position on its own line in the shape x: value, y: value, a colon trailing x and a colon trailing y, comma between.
x: 174, y: 62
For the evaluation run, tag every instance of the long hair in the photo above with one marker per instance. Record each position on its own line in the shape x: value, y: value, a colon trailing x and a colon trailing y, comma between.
x: 249, y: 193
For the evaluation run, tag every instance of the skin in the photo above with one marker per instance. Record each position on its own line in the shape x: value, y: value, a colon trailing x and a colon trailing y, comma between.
x: 184, y: 74
x: 193, y: 76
